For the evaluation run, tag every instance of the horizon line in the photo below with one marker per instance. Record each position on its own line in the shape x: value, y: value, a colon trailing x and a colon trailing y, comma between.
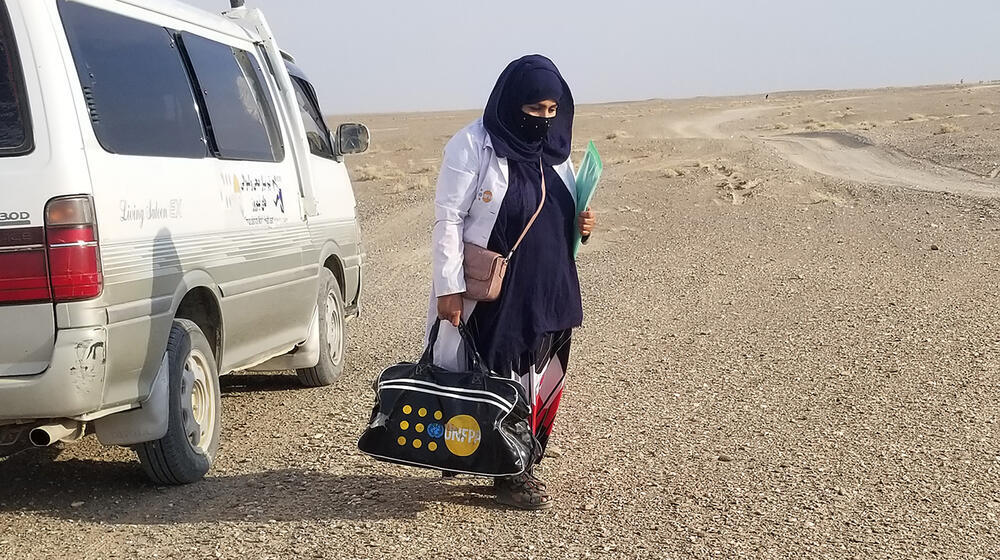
x: 687, y: 98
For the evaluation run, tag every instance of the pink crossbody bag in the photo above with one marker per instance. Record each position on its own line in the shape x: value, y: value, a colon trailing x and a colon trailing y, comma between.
x: 485, y: 269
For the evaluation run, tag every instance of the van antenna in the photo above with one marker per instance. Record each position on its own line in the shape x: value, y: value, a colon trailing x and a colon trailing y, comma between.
x: 237, y: 3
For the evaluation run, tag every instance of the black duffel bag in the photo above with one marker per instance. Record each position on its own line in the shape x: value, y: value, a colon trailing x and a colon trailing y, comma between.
x: 465, y: 422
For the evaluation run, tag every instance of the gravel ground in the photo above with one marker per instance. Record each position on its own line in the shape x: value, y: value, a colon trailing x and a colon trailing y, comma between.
x: 775, y: 364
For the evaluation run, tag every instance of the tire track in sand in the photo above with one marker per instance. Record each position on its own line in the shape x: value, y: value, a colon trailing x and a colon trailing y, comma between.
x: 846, y: 156
x: 842, y: 155
x: 709, y: 125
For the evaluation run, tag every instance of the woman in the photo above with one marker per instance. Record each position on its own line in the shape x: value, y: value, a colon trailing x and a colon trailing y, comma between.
x: 490, y: 187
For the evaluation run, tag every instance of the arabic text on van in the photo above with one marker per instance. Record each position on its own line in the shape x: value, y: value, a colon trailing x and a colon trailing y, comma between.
x: 261, y: 197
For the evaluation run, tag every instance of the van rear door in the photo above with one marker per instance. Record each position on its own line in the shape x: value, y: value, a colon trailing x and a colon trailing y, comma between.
x: 27, y: 326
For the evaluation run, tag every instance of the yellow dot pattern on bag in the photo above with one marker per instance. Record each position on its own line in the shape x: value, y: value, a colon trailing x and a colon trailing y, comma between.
x: 462, y: 435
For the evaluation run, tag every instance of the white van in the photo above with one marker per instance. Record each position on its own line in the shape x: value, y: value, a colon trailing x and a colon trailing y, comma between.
x: 172, y: 208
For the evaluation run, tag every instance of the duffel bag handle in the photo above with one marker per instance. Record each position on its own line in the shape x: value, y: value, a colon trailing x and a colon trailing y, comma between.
x: 476, y: 360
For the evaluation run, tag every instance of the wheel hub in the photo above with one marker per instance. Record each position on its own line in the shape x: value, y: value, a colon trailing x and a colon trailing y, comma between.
x: 198, y: 401
x: 334, y: 329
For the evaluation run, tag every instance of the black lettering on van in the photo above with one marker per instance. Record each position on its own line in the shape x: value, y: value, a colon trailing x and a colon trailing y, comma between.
x: 15, y: 216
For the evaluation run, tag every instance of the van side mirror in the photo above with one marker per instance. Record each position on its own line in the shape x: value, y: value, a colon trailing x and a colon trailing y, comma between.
x: 352, y: 138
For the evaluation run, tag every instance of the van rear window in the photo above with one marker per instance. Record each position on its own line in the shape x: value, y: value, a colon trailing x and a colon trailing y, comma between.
x: 15, y: 130
x: 135, y: 84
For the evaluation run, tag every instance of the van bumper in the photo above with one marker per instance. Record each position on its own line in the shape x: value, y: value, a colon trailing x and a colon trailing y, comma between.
x: 72, y: 385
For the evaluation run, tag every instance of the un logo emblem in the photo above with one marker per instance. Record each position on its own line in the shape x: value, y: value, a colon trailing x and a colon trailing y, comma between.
x: 435, y: 430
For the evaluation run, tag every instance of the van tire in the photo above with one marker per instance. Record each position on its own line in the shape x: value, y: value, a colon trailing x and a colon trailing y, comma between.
x: 175, y: 459
x: 332, y: 335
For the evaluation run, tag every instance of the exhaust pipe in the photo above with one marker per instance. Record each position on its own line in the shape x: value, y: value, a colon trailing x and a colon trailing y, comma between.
x: 46, y: 435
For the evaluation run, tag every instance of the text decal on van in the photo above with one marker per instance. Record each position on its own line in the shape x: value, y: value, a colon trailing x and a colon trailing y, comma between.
x: 144, y: 211
x: 15, y: 218
x: 261, y: 198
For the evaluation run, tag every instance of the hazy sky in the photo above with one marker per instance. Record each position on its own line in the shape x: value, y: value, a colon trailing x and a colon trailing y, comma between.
x: 375, y: 56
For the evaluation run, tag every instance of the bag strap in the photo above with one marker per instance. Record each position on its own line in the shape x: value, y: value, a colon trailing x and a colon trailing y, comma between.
x: 531, y: 222
x: 472, y: 353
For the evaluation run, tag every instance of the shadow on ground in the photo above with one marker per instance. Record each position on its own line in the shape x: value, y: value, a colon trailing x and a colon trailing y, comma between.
x: 111, y: 488
x: 115, y: 492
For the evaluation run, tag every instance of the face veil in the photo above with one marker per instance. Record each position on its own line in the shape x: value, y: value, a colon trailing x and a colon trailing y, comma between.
x: 527, y: 80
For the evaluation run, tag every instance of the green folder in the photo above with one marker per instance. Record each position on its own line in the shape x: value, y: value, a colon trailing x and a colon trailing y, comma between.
x: 586, y: 183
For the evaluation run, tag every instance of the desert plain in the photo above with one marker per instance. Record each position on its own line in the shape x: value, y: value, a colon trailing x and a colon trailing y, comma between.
x: 790, y: 351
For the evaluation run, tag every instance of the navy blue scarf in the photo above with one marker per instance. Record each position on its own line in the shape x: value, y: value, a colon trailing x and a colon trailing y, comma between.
x: 541, y: 292
x: 528, y: 80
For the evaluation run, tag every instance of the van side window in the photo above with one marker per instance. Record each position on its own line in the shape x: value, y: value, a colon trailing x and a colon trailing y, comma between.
x: 134, y: 83
x: 316, y: 130
x: 240, y: 118
x: 255, y: 74
x: 15, y: 126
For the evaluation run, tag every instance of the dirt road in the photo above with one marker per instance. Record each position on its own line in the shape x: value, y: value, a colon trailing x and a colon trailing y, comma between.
x: 847, y: 157
x: 789, y: 352
x: 842, y: 154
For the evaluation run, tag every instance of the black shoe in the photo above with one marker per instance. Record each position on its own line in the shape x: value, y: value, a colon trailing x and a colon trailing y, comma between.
x: 523, y: 491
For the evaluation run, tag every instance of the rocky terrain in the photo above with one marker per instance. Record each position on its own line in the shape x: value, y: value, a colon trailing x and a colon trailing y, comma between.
x: 790, y: 351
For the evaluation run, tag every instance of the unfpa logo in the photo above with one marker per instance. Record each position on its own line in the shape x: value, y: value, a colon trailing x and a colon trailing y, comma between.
x: 462, y: 435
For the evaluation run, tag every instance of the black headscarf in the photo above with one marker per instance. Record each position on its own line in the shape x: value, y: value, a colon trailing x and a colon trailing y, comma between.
x: 527, y: 80
x: 541, y: 291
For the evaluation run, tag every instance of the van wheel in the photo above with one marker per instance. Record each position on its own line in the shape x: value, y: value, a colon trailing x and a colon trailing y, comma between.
x: 186, y: 452
x: 332, y: 335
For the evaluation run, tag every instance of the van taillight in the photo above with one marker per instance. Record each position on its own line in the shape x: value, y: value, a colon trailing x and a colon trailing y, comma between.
x: 24, y: 277
x: 71, y: 241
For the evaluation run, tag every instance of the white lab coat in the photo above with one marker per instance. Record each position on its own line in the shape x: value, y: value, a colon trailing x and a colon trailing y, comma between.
x: 470, y: 190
